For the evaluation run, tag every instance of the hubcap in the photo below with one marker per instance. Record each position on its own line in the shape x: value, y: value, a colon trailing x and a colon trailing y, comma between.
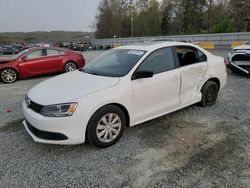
x: 8, y: 75
x: 108, y: 128
x: 70, y: 67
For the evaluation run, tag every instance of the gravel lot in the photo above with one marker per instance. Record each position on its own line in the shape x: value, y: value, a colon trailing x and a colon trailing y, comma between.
x: 194, y: 147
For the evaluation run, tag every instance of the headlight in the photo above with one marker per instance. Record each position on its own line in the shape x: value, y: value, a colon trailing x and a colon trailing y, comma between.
x: 59, y: 110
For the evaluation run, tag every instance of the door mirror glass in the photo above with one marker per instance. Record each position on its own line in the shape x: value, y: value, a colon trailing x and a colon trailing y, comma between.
x: 142, y: 74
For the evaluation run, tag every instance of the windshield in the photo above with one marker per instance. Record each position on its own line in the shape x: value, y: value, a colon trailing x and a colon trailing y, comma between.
x: 114, y: 63
x: 19, y: 54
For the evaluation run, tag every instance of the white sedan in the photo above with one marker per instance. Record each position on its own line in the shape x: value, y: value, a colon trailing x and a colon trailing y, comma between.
x: 123, y: 87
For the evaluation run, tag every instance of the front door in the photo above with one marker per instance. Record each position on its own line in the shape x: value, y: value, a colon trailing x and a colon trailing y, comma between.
x: 34, y: 63
x: 159, y: 94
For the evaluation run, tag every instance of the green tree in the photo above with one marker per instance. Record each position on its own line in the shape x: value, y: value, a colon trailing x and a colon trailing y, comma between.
x: 147, y: 18
x: 193, y: 15
x: 167, y: 18
x: 110, y: 18
x: 240, y: 14
x: 223, y: 26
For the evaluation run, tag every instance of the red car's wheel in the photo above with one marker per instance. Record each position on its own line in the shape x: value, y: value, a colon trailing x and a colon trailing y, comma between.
x: 8, y: 75
x: 70, y: 66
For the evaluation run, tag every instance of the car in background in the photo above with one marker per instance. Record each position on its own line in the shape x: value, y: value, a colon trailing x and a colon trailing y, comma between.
x: 39, y: 61
x: 123, y: 87
x: 239, y: 60
x: 162, y: 40
x: 1, y: 50
x: 8, y: 50
x: 186, y: 40
x: 190, y: 41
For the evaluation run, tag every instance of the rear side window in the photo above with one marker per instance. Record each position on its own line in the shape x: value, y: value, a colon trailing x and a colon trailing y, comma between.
x: 51, y: 52
x: 158, y: 61
x: 61, y: 52
x: 189, y: 55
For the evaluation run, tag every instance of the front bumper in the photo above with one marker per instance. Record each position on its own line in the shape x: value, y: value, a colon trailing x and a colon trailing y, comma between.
x: 64, y: 130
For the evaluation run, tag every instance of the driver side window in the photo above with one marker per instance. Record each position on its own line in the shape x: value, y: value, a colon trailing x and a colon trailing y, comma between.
x: 35, y: 54
x: 159, y: 61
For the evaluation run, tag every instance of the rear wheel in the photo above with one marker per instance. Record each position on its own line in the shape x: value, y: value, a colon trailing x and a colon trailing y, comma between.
x: 70, y: 66
x: 209, y: 93
x: 8, y: 75
x: 106, y: 126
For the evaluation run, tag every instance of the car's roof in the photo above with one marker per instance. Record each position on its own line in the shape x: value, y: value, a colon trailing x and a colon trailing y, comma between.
x: 49, y: 47
x: 148, y: 46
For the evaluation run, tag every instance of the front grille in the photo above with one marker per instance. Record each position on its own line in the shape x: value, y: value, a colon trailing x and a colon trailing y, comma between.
x: 35, y: 107
x: 45, y: 134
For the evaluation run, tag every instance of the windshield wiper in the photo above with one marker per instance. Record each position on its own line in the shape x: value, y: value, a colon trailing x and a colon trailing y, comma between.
x: 90, y: 72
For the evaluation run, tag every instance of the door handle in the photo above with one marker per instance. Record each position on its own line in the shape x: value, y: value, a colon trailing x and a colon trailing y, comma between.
x: 175, y: 78
x: 201, y: 70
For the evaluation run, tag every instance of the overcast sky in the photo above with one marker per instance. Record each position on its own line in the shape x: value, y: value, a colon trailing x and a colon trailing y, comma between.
x: 47, y: 15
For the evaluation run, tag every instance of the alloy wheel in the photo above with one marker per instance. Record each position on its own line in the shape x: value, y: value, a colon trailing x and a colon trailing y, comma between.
x: 70, y: 67
x: 8, y: 75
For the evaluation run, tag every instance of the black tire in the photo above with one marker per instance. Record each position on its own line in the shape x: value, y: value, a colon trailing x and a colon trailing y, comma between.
x: 8, y: 75
x: 70, y: 66
x: 209, y: 93
x: 93, y: 128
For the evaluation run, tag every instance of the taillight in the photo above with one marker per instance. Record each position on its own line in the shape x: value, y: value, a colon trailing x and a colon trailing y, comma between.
x: 226, y: 61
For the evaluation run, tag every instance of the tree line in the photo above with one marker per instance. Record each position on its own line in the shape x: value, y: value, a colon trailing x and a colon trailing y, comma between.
x: 42, y: 36
x: 126, y: 18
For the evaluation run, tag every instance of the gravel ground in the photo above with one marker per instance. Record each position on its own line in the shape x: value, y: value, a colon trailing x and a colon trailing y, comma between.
x: 193, y: 147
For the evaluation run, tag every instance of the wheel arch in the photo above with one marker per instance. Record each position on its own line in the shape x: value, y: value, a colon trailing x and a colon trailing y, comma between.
x: 122, y: 107
x: 125, y: 111
x: 216, y: 80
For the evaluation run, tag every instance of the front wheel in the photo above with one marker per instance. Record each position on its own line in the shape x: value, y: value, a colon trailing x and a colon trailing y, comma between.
x: 8, y: 75
x: 106, y: 126
x: 209, y: 93
x: 69, y: 66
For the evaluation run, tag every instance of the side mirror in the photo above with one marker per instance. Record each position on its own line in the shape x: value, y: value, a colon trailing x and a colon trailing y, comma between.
x: 142, y: 74
x: 24, y: 58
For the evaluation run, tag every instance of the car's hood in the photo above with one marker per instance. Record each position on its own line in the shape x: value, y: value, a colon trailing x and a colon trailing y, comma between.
x: 4, y: 60
x: 68, y: 87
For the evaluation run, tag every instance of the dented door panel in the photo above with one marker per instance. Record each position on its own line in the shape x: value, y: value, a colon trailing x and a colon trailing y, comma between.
x: 191, y: 76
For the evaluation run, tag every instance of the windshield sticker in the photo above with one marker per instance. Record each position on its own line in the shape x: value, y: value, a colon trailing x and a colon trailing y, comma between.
x: 136, y: 52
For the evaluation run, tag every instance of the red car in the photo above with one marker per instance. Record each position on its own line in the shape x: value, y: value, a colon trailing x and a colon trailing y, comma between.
x: 39, y: 61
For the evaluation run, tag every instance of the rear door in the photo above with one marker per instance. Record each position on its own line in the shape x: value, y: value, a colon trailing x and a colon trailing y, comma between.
x: 193, y: 66
x: 53, y: 60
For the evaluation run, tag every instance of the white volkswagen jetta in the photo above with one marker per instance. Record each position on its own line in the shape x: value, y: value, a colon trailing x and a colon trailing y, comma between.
x: 125, y: 86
